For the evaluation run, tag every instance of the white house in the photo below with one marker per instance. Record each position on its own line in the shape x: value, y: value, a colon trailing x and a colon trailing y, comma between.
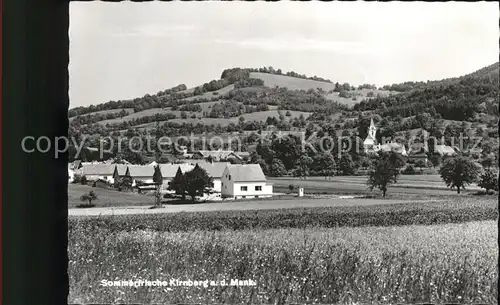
x: 244, y: 181
x: 95, y: 172
x: 215, y: 170
x: 168, y: 172
x: 445, y: 150
x: 216, y: 155
x: 142, y: 173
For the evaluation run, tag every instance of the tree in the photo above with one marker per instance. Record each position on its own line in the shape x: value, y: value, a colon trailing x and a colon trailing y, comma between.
x: 487, y: 162
x: 435, y: 159
x: 88, y: 197
x: 124, y: 183
x: 178, y: 184
x: 382, y: 174
x: 158, y: 181
x: 291, y: 187
x: 277, y: 168
x: 346, y: 165
x: 198, y: 182
x: 288, y: 113
x: 458, y: 171
x: 489, y: 181
x: 304, y: 164
x: 324, y: 164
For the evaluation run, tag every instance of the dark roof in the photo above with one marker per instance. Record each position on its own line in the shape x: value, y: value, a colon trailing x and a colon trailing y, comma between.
x: 217, y: 154
x: 246, y: 172
x: 98, y: 169
x: 141, y: 171
x: 169, y: 170
x: 215, y: 169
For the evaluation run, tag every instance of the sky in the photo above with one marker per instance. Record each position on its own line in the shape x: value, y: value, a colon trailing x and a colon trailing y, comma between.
x: 125, y: 50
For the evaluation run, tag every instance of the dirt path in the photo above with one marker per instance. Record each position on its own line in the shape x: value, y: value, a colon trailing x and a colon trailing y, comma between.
x: 239, y: 205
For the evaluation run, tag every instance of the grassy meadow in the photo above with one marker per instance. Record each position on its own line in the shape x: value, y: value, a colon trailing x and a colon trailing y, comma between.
x: 106, y: 197
x: 439, y: 252
x: 450, y: 263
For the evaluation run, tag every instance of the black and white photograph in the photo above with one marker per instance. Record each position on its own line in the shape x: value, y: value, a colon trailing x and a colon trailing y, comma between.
x: 230, y: 152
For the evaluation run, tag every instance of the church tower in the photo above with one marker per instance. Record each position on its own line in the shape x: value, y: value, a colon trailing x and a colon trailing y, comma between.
x: 369, y: 143
x: 372, y: 130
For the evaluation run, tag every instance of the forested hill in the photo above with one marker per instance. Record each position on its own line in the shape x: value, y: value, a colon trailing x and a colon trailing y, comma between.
x: 460, y: 98
x: 486, y: 74
x: 230, y: 79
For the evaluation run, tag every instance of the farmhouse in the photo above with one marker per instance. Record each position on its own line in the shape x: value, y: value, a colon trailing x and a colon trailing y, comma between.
x: 168, y: 172
x: 215, y: 170
x: 120, y: 171
x: 418, y: 152
x: 445, y: 150
x: 393, y: 147
x: 77, y: 164
x: 95, y: 172
x: 241, y: 181
x: 142, y: 173
x: 244, y: 155
x: 216, y: 155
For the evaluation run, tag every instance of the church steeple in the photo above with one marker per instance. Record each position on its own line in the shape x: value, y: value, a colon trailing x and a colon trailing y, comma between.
x: 372, y: 130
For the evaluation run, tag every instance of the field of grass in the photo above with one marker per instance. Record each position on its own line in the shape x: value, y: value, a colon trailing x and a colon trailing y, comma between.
x: 448, y: 263
x: 129, y: 110
x: 106, y: 197
x: 329, y: 216
x: 292, y: 83
x: 358, y: 94
x: 208, y: 95
x: 254, y: 116
x: 147, y: 112
x: 407, y: 184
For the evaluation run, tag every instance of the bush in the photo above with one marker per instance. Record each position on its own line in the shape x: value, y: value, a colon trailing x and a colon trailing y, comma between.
x: 420, y: 163
x: 409, y: 170
x: 77, y: 179
x: 488, y: 181
x: 83, y: 180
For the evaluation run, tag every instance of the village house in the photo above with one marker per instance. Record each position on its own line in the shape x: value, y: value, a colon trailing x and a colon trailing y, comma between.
x: 243, y: 155
x: 215, y: 170
x: 216, y: 155
x: 245, y: 181
x: 418, y: 152
x: 142, y: 173
x: 94, y: 172
x: 168, y: 172
x: 445, y: 150
x: 120, y: 171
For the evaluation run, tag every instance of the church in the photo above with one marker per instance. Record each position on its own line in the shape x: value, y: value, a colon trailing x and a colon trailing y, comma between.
x: 371, y: 146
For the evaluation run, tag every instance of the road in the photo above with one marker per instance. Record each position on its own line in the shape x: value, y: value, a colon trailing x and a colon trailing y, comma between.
x: 238, y: 205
